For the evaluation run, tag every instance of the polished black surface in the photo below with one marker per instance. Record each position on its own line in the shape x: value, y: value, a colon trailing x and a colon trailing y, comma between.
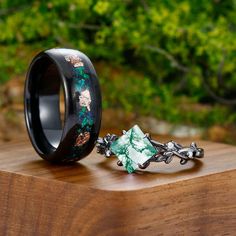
x: 53, y: 139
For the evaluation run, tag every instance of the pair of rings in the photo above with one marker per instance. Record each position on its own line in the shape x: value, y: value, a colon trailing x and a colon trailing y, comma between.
x: 72, y: 73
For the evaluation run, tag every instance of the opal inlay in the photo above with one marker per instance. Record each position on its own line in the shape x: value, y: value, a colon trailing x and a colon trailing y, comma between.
x: 82, y: 84
x: 85, y: 99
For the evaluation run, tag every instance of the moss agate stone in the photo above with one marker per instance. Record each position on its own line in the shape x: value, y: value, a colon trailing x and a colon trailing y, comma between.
x: 133, y: 148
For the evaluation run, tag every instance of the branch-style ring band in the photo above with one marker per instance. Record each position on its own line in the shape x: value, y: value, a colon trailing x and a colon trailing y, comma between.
x: 135, y: 149
x: 73, y: 139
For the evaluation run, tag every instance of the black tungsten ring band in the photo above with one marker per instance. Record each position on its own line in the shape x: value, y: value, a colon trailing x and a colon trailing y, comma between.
x: 75, y: 137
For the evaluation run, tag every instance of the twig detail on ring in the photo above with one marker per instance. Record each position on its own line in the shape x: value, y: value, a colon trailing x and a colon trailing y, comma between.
x: 135, y: 149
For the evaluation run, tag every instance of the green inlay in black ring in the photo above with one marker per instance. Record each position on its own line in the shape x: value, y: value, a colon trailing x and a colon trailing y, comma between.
x: 73, y: 71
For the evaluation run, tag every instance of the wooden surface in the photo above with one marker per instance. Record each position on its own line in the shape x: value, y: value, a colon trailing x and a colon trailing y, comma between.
x: 96, y: 197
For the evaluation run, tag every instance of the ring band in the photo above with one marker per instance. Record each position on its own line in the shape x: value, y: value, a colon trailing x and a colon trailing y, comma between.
x: 135, y: 149
x: 73, y: 139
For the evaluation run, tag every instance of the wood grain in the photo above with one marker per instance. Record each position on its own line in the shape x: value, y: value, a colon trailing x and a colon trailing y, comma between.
x: 96, y: 197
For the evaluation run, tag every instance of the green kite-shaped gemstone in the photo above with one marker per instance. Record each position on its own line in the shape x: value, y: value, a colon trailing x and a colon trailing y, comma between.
x: 133, y: 148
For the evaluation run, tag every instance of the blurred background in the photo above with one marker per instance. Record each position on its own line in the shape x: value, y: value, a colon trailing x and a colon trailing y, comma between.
x: 167, y: 65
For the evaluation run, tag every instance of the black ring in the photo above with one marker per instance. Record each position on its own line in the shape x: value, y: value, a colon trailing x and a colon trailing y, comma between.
x: 73, y: 71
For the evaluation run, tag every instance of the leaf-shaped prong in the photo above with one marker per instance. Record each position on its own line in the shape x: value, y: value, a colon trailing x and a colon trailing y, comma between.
x: 119, y: 163
x: 169, y: 159
x: 144, y: 165
x: 200, y: 153
x: 147, y: 135
x: 108, y: 153
x: 183, y: 161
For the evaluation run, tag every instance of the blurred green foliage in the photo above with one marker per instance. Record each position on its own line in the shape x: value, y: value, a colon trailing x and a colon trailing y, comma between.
x: 155, y: 57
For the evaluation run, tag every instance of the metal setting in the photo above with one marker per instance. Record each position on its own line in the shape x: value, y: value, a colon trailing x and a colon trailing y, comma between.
x: 164, y: 151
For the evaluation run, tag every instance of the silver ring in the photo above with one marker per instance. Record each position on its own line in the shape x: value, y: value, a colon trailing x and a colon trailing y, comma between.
x: 135, y: 149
